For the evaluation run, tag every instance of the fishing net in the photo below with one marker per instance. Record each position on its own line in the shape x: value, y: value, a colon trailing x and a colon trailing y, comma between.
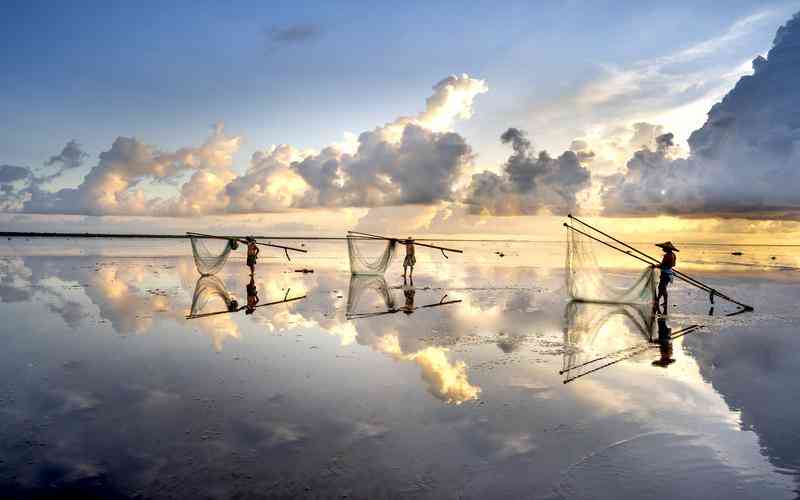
x: 361, y: 303
x: 370, y: 255
x: 207, y: 260
x: 207, y: 289
x: 596, y: 333
x: 587, y: 281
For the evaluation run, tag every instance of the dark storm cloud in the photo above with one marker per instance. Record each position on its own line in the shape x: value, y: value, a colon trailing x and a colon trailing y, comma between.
x: 743, y: 161
x: 530, y: 181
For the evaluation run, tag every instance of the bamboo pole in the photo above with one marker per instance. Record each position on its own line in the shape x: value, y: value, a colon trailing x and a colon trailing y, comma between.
x: 626, y: 354
x: 240, y: 239
x: 683, y: 276
x: 652, y: 259
x: 375, y: 236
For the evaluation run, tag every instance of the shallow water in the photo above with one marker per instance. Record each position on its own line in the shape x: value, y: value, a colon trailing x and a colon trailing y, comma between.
x: 106, y: 387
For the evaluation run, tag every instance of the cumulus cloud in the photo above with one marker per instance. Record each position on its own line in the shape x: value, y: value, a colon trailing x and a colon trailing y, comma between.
x: 410, y: 160
x: 114, y: 185
x: 743, y: 160
x: 530, y: 181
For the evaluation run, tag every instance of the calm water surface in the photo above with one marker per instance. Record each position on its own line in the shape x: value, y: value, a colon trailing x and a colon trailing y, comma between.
x: 368, y: 389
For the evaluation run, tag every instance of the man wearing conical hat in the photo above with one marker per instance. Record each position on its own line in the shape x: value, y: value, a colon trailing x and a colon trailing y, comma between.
x: 667, y: 263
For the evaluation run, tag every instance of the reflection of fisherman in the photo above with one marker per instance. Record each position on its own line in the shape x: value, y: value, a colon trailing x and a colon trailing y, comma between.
x: 408, y: 292
x: 410, y: 259
x: 252, y: 254
x: 667, y: 263
x: 252, y: 296
x: 664, y: 344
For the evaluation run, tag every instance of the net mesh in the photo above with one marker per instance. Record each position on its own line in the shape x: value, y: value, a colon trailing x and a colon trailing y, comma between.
x: 207, y: 289
x: 595, y: 333
x: 360, y: 303
x: 207, y: 260
x: 370, y: 256
x: 586, y: 281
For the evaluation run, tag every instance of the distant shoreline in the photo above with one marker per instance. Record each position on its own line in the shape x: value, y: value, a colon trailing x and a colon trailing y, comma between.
x: 26, y: 234
x: 22, y: 234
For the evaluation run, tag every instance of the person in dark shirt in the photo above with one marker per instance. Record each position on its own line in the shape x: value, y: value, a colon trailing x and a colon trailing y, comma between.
x: 252, y: 296
x: 667, y: 264
x: 252, y: 254
x: 410, y: 259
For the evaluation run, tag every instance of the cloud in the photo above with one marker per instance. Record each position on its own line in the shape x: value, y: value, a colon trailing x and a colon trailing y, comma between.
x: 446, y: 381
x: 530, y: 182
x: 411, y: 160
x: 294, y: 34
x: 11, y: 173
x: 742, y: 161
x: 113, y: 186
x: 70, y: 157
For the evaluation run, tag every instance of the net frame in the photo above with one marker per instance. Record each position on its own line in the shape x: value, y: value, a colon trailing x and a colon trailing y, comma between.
x: 585, y: 281
x: 206, y: 261
x: 363, y: 264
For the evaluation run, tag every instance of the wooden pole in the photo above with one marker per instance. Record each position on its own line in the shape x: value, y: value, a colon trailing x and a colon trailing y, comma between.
x: 375, y: 236
x: 683, y: 276
x: 241, y: 239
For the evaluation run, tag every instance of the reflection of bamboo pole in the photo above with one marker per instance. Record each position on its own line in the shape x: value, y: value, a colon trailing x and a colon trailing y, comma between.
x: 399, y: 309
x: 241, y: 239
x: 626, y: 354
x: 679, y: 333
x: 204, y: 315
x: 684, y: 277
x: 375, y: 236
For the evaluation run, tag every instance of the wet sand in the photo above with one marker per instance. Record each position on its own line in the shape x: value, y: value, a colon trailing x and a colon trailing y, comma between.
x: 107, y: 388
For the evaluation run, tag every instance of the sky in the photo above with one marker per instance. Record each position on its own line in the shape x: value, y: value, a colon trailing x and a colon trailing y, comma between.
x: 304, y: 118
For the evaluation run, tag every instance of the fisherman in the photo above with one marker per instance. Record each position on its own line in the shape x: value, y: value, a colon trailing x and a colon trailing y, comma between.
x: 667, y: 264
x: 252, y: 254
x: 252, y: 296
x: 409, y: 293
x: 664, y: 344
x: 410, y: 259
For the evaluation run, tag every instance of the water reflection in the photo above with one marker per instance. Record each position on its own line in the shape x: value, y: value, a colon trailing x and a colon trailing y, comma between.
x: 380, y: 298
x: 211, y: 287
x: 106, y: 383
x: 598, y: 335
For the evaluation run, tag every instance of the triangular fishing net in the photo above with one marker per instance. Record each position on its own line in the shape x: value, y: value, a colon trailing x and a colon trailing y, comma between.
x: 586, y: 281
x: 207, y: 260
x: 207, y: 289
x: 369, y: 255
x: 368, y: 295
x: 595, y: 333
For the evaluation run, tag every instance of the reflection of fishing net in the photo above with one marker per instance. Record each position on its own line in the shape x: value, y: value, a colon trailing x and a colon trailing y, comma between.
x: 368, y: 255
x: 602, y: 332
x: 360, y: 303
x: 207, y: 289
x: 586, y: 281
x: 207, y: 260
